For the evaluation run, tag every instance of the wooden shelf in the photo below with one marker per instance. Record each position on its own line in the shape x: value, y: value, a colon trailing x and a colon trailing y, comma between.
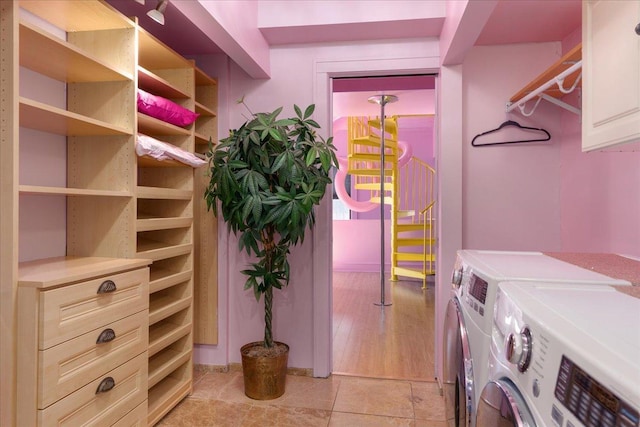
x: 203, y: 139
x: 63, y: 191
x: 150, y: 162
x: 204, y: 110
x: 52, y: 272
x: 163, y: 193
x: 152, y: 126
x: 165, y: 362
x: 161, y: 335
x: 159, y: 250
x: 163, y: 307
x: 573, y: 56
x: 163, y: 279
x: 203, y: 79
x: 165, y: 395
x: 71, y: 64
x: 150, y: 82
x: 154, y: 224
x: 43, y: 117
x: 78, y: 16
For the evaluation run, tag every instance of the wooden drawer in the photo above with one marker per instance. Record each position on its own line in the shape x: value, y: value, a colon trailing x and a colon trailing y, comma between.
x: 73, y: 310
x: 135, y: 418
x: 66, y: 367
x: 87, y: 407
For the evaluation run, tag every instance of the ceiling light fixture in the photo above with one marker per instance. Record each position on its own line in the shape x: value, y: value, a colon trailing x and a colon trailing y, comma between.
x: 157, y: 14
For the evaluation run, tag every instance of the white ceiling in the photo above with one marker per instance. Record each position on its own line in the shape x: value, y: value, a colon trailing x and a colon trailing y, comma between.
x: 513, y: 21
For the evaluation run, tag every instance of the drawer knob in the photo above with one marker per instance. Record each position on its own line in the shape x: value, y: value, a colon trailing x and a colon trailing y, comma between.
x: 106, y: 287
x: 106, y: 336
x: 106, y: 385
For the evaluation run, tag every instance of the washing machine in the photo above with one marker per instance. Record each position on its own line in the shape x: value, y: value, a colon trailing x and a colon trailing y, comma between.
x: 563, y: 356
x: 469, y: 317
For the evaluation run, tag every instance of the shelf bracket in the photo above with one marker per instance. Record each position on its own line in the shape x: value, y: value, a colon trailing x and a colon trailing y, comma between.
x: 521, y: 106
x: 560, y: 83
x: 539, y: 92
x: 561, y: 104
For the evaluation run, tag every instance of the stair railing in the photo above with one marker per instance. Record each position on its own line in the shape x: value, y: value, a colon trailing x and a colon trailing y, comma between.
x: 416, y: 201
x: 417, y: 183
x: 428, y: 219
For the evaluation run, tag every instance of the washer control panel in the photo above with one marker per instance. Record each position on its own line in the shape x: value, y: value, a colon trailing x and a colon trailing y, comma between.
x: 478, y: 289
x: 589, y: 401
x: 474, y: 293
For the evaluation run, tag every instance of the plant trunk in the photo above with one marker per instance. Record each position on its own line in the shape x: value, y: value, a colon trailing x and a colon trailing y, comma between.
x: 268, y: 316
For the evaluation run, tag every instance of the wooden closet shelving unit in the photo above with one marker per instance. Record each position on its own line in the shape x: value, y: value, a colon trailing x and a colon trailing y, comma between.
x: 100, y: 161
x: 205, y: 224
x: 164, y: 228
x: 96, y: 285
x: 122, y: 209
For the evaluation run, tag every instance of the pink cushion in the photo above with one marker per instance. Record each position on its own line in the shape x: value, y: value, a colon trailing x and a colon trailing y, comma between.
x: 165, y: 110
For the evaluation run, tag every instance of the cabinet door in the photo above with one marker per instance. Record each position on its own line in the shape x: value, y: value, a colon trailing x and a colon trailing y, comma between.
x: 611, y: 70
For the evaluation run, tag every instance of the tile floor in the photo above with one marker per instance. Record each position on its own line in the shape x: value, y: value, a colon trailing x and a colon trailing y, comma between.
x: 218, y: 400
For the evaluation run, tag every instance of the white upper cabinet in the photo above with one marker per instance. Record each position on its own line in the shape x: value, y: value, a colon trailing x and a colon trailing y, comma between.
x: 611, y: 73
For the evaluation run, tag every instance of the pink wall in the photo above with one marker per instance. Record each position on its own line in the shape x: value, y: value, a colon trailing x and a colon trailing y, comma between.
x: 297, y: 309
x: 600, y: 197
x: 599, y: 191
x: 356, y: 245
x: 511, y: 195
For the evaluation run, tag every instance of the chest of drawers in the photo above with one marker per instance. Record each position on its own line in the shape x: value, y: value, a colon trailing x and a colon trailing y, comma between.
x: 83, y: 339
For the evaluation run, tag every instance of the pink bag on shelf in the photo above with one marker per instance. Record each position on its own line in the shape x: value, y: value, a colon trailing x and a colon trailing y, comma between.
x: 164, y: 109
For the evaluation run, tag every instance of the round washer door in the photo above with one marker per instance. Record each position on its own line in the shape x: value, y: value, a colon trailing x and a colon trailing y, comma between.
x: 459, y: 397
x: 502, y: 405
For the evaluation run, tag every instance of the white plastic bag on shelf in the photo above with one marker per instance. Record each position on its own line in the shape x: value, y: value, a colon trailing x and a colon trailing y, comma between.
x: 148, y: 146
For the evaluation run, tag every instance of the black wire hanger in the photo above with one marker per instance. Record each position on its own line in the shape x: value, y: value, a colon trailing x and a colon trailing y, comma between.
x: 516, y: 124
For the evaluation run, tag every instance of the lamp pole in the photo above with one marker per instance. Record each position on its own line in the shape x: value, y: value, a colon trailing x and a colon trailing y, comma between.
x: 382, y: 100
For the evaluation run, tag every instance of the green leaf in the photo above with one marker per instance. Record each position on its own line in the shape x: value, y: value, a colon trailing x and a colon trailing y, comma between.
x: 313, y: 123
x: 275, y: 134
x: 311, y: 156
x: 284, y: 122
x: 280, y: 161
x: 309, y: 111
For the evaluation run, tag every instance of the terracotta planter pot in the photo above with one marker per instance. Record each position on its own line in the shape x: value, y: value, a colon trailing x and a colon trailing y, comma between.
x: 264, y: 374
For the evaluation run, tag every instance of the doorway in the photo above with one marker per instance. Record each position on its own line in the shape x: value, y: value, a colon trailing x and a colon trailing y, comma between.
x: 395, y: 341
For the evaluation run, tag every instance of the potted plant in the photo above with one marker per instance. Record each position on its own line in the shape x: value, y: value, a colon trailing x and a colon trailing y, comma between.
x: 266, y: 177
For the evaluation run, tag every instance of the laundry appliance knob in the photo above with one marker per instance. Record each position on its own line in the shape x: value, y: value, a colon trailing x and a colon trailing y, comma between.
x: 518, y: 349
x: 456, y: 277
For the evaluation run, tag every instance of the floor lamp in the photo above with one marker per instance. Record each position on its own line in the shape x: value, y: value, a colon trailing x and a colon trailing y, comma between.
x: 382, y: 100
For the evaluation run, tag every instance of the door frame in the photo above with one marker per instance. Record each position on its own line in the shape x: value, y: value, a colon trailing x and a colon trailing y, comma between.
x: 324, y: 72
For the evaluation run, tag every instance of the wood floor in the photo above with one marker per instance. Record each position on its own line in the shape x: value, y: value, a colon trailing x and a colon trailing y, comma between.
x: 396, y: 341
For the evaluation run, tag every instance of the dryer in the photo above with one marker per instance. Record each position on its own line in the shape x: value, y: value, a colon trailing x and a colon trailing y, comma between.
x: 565, y: 356
x: 469, y: 317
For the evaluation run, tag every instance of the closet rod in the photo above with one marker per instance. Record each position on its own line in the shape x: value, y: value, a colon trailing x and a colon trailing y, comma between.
x: 558, y: 80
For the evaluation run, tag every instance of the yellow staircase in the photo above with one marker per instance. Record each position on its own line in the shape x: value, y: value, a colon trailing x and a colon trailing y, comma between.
x: 407, y: 189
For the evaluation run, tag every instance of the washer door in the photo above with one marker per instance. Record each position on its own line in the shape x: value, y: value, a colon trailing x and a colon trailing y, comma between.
x: 502, y: 405
x: 459, y: 397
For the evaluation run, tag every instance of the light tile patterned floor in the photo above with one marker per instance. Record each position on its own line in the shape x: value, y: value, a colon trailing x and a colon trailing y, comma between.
x: 218, y: 400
